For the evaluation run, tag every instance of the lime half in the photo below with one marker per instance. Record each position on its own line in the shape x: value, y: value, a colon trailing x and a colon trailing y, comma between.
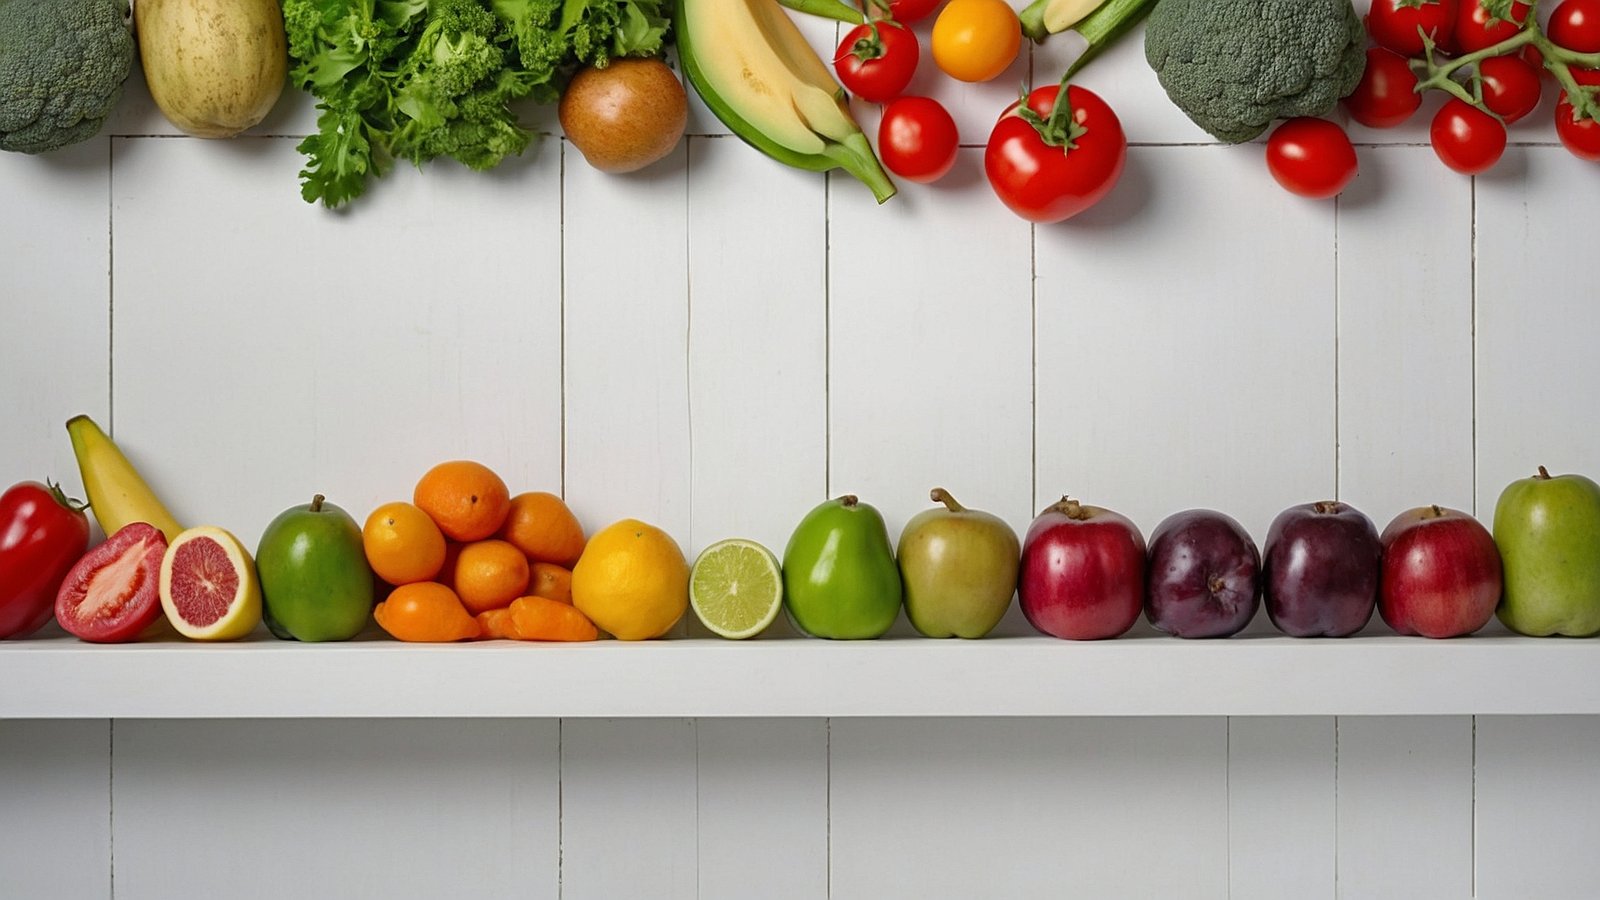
x: 736, y: 588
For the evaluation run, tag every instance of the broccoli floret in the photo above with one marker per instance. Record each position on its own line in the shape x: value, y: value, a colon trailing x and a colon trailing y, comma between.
x: 62, y: 65
x: 1233, y: 66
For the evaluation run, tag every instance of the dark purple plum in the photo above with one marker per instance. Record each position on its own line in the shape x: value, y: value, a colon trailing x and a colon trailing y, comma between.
x: 1204, y: 575
x: 1321, y: 569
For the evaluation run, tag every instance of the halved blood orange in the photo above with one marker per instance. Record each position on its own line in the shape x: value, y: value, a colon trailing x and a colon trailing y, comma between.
x: 209, y: 588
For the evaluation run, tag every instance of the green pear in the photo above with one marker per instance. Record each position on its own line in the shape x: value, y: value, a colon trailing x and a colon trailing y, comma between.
x: 839, y: 576
x: 959, y: 567
x: 1548, y: 532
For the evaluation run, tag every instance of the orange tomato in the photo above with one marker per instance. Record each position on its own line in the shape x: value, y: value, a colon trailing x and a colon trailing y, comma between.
x: 425, y: 612
x: 467, y: 500
x: 496, y: 624
x: 489, y: 575
x: 551, y: 582
x: 543, y: 619
x: 402, y: 544
x: 976, y: 40
x: 542, y: 526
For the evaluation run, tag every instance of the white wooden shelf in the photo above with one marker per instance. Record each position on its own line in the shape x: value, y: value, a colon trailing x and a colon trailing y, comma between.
x: 58, y: 677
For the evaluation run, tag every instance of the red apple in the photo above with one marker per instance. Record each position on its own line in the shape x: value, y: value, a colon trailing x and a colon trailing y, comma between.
x: 1320, y: 569
x: 1082, y: 573
x: 1441, y: 573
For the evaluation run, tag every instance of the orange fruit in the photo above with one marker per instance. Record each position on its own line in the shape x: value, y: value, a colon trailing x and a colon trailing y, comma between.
x: 496, y: 624
x: 550, y: 581
x: 402, y: 543
x: 632, y: 581
x: 467, y: 500
x: 543, y: 619
x: 425, y: 612
x: 490, y: 574
x: 542, y: 526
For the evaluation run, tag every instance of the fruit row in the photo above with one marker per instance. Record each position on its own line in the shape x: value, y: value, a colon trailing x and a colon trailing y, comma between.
x: 464, y: 559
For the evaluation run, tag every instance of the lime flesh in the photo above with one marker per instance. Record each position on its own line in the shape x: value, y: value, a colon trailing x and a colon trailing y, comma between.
x: 736, y: 588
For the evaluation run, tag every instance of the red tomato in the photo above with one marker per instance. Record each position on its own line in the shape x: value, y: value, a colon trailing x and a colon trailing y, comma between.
x: 1398, y: 24
x: 1387, y: 93
x: 1311, y: 157
x: 1061, y: 162
x: 1466, y: 138
x: 1581, y: 137
x: 1484, y: 23
x: 111, y: 593
x: 907, y: 11
x: 1511, y: 87
x: 917, y: 139
x: 1575, y: 25
x: 875, y: 62
x: 42, y: 534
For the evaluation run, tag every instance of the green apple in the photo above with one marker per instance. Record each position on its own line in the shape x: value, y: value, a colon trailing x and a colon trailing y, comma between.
x: 959, y: 568
x: 839, y: 577
x: 1548, y: 532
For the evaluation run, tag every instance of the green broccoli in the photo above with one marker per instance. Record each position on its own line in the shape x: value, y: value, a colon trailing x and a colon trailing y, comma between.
x: 62, y: 64
x: 1233, y: 66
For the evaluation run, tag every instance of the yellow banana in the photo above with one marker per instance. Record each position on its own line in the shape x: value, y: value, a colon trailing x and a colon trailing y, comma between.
x: 117, y: 494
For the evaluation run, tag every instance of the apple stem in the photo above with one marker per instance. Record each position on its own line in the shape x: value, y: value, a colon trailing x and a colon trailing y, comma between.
x: 849, y: 501
x: 940, y: 495
x: 1544, y: 474
x: 1437, y: 512
x: 316, y: 503
x: 1070, y: 508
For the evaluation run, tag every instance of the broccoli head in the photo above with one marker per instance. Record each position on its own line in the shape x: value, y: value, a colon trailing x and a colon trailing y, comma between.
x: 62, y: 65
x: 1233, y: 66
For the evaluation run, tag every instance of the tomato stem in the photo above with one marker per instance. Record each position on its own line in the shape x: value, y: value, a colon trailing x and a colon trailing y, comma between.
x: 61, y: 497
x: 1557, y: 59
x: 1061, y: 128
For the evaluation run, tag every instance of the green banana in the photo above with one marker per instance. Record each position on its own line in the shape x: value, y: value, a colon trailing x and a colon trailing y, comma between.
x: 1100, y: 22
x: 756, y: 72
x: 827, y: 9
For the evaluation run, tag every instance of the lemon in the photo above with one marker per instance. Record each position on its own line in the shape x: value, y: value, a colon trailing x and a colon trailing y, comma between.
x: 208, y: 586
x: 736, y: 588
x: 632, y: 581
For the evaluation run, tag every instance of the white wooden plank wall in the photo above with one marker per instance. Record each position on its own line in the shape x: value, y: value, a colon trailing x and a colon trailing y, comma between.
x: 716, y: 345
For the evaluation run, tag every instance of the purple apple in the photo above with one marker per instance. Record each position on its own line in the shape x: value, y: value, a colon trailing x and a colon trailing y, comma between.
x: 1204, y: 576
x: 1082, y: 572
x: 1321, y: 569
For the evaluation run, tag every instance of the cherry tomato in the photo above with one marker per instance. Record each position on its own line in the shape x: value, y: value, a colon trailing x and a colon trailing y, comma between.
x: 907, y: 11
x: 1466, y: 138
x: 877, y: 66
x: 1062, y: 162
x: 1398, y: 24
x: 1575, y: 25
x: 42, y: 534
x: 1311, y: 157
x: 1386, y: 95
x: 1479, y: 25
x: 917, y: 139
x: 1581, y: 137
x: 975, y: 40
x: 1511, y: 87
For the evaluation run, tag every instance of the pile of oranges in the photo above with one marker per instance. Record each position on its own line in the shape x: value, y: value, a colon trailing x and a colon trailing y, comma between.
x: 468, y: 560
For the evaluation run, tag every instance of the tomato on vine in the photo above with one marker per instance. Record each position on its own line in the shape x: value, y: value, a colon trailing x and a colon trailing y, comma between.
x: 1511, y: 87
x: 917, y: 139
x: 1575, y: 25
x: 875, y: 61
x: 1484, y: 23
x: 1055, y: 153
x: 1386, y: 95
x: 1581, y: 136
x: 1466, y: 138
x: 1399, y: 24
